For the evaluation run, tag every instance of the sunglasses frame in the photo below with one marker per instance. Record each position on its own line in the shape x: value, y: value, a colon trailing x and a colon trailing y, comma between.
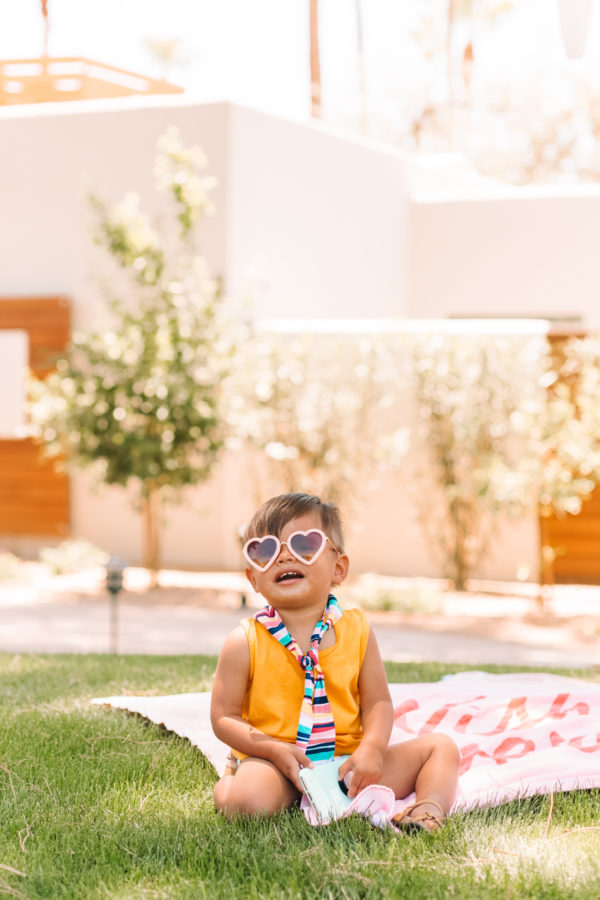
x: 279, y: 544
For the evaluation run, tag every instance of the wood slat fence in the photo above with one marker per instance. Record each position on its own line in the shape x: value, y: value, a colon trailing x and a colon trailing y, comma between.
x: 574, y: 539
x: 576, y: 542
x: 34, y: 498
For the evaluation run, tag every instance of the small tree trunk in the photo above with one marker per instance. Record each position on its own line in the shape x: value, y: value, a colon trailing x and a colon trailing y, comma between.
x: 315, y: 62
x: 151, y: 532
x: 460, y: 568
x: 460, y: 576
x: 547, y: 555
x: 460, y: 558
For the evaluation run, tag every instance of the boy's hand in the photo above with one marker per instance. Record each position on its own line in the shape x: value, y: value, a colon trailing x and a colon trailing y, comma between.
x: 366, y: 765
x: 289, y: 759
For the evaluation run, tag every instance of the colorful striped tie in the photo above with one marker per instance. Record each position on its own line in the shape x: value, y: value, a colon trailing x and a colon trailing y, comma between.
x: 316, y: 728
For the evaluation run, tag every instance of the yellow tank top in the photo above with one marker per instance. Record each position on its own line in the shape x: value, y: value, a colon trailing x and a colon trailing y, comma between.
x: 273, y: 699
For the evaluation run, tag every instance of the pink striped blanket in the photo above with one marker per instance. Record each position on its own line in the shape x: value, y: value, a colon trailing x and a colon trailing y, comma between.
x: 519, y: 735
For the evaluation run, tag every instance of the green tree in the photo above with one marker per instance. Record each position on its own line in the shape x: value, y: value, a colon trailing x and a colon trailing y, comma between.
x: 318, y: 413
x: 138, y: 397
x: 505, y: 426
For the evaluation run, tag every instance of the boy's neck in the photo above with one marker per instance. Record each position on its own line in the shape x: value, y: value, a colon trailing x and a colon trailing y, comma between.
x: 305, y: 617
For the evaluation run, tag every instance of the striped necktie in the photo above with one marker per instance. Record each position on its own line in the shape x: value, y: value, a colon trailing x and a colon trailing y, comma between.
x: 316, y: 728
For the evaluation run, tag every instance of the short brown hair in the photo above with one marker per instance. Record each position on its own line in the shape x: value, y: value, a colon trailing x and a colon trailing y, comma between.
x: 273, y: 515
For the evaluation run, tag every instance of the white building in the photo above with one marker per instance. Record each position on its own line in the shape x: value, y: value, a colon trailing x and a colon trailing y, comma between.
x: 341, y: 226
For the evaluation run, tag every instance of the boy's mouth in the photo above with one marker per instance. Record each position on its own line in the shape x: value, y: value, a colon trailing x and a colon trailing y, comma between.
x: 288, y: 575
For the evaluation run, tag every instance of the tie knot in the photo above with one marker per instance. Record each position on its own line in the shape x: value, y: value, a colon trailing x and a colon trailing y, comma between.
x: 306, y: 663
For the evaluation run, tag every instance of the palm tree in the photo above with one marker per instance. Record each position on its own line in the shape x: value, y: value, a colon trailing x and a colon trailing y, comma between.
x: 471, y: 10
x: 46, y: 25
x: 315, y: 62
x: 362, y: 88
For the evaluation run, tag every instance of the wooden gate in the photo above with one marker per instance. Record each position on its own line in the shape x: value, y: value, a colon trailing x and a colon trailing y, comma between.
x: 575, y: 540
x: 576, y: 543
x: 34, y: 498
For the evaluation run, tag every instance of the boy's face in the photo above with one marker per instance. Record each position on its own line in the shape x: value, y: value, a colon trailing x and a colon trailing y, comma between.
x: 289, y: 583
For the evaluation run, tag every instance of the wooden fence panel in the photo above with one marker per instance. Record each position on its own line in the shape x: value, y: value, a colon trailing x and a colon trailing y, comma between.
x: 34, y: 497
x: 576, y: 540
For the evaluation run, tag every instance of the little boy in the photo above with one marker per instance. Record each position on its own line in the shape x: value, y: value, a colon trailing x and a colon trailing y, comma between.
x: 303, y: 680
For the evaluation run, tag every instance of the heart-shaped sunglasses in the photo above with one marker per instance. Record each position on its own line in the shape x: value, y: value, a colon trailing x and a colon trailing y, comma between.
x: 306, y: 546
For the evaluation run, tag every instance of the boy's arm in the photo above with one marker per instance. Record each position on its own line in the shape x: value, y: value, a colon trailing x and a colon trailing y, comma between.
x: 229, y: 689
x: 377, y: 712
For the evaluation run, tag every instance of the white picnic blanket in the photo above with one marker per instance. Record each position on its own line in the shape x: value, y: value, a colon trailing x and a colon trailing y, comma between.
x: 519, y: 734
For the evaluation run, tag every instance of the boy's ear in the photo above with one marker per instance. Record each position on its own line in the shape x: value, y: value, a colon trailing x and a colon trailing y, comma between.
x: 251, y: 576
x: 340, y: 570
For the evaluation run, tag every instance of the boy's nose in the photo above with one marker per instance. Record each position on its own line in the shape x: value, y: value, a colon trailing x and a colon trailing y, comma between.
x: 284, y: 551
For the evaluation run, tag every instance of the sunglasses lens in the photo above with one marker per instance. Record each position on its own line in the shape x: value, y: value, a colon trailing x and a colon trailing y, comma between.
x: 307, y: 545
x: 261, y: 552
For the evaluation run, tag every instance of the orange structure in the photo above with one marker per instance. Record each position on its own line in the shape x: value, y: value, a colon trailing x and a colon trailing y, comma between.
x: 575, y: 542
x: 34, y: 497
x: 49, y: 79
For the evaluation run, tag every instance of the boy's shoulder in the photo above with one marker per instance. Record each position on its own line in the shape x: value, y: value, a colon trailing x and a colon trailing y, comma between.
x: 355, y: 612
x: 356, y: 624
x: 354, y: 615
x: 237, y: 636
x: 248, y: 623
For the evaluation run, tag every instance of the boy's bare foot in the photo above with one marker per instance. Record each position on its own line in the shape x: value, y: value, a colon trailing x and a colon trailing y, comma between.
x: 423, y: 815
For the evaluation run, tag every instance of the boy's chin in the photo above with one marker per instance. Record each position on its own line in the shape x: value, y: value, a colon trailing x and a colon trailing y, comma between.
x: 299, y: 592
x: 291, y: 589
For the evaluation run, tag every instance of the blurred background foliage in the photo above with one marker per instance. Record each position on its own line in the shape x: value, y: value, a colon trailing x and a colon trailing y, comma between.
x: 320, y: 412
x: 138, y: 398
x: 506, y: 424
x: 505, y: 84
x: 499, y: 425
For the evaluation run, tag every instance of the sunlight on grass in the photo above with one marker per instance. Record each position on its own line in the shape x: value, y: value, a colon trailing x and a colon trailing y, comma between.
x: 528, y: 843
x: 96, y: 804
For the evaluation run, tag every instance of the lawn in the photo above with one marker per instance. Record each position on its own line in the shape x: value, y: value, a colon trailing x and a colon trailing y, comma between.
x: 95, y: 803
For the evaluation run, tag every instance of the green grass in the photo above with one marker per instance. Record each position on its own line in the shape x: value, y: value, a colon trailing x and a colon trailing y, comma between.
x: 96, y: 803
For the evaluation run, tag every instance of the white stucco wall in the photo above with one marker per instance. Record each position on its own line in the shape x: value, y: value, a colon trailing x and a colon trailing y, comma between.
x: 338, y: 226
x: 526, y: 252
x: 52, y: 156
x: 323, y: 217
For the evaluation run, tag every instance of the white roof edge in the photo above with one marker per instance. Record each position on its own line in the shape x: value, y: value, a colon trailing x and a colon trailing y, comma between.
x: 502, y: 191
x: 144, y: 101
x: 104, y: 104
x: 472, y: 187
x: 531, y: 326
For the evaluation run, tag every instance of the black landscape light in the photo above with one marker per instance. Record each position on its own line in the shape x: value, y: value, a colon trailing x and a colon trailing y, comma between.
x: 114, y: 584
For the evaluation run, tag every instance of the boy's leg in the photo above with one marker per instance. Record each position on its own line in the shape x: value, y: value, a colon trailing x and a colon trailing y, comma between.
x: 258, y: 787
x: 427, y: 765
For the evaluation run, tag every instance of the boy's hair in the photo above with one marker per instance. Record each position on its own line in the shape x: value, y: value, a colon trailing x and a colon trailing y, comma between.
x: 273, y: 515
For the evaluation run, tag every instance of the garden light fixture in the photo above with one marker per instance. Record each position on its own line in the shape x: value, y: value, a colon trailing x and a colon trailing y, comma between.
x: 115, y: 568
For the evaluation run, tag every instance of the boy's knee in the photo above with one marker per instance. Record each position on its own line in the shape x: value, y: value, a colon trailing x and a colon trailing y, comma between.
x: 221, y: 791
x: 443, y: 744
x: 233, y: 801
x: 247, y: 807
